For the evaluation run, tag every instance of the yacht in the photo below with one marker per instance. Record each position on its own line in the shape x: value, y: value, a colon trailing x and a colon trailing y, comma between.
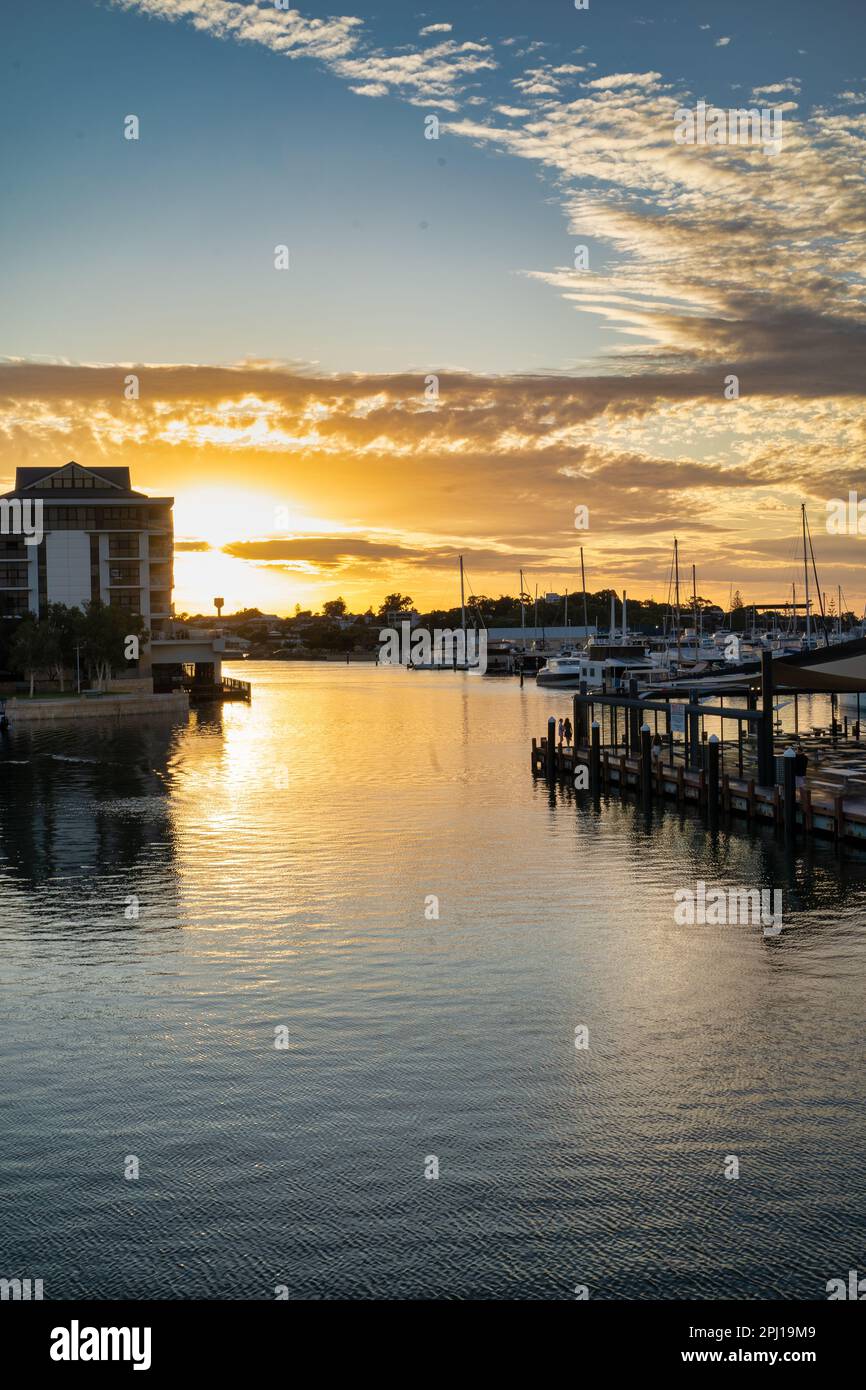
x: 601, y: 666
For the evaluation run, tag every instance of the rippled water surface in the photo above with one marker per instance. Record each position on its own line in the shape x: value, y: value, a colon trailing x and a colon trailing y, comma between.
x: 171, y: 893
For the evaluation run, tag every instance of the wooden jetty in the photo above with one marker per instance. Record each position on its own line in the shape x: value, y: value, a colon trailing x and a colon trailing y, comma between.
x: 830, y: 801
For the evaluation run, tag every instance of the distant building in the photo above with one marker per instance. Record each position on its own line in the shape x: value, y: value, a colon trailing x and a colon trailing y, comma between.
x: 100, y: 540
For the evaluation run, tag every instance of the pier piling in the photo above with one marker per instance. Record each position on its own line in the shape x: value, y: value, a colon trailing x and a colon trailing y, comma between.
x: 595, y: 759
x: 550, y: 761
x: 713, y: 781
x: 789, y: 773
x: 646, y: 766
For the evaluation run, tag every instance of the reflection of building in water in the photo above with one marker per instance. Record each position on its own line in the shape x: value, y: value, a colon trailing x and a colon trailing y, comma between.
x: 85, y: 802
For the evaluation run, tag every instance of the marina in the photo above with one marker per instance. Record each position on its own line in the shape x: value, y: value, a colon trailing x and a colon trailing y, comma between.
x: 761, y: 777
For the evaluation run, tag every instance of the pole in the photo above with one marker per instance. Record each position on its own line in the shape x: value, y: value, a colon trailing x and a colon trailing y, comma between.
x: 693, y: 738
x: 595, y: 760
x: 462, y: 605
x: 522, y: 616
x: 583, y: 583
x: 789, y: 776
x: 677, y: 608
x: 550, y: 750
x: 713, y: 781
x: 806, y: 577
x: 646, y: 767
x: 766, y: 768
x: 634, y: 714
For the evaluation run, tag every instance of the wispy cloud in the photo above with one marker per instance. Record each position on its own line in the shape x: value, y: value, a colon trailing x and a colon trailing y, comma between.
x: 432, y: 74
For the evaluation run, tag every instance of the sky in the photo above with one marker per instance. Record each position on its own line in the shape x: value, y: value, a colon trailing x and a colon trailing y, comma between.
x: 539, y: 310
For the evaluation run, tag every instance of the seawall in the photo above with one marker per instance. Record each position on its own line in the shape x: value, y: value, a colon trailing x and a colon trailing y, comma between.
x: 96, y: 707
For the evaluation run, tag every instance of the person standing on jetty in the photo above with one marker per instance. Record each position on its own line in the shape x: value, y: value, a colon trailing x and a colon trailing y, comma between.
x: 561, y: 732
x: 566, y: 729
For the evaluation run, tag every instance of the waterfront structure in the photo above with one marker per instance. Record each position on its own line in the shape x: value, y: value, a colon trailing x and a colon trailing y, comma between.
x: 100, y: 539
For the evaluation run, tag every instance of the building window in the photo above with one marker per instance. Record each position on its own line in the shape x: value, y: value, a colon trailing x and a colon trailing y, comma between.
x: 14, y: 577
x: 126, y: 598
x: 14, y: 605
x: 124, y: 574
x: 123, y: 547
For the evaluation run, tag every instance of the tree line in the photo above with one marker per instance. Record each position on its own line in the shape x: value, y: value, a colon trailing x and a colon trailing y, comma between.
x: 96, y: 637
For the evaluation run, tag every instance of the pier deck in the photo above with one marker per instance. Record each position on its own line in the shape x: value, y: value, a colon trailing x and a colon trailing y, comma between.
x: 832, y: 803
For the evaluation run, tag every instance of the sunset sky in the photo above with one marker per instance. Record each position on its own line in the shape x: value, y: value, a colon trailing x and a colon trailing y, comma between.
x: 285, y: 410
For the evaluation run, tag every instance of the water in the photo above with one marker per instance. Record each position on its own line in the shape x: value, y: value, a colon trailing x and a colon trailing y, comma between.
x: 280, y: 857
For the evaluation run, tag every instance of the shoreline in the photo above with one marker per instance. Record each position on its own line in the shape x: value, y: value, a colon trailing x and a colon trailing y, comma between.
x: 112, y: 706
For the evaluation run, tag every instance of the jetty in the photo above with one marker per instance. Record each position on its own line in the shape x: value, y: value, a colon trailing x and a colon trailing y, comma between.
x: 627, y: 740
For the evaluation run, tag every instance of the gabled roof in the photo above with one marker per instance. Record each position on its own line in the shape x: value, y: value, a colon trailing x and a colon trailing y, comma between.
x: 74, y: 480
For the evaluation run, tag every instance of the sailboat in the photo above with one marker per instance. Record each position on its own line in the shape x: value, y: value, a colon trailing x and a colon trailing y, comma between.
x: 451, y: 651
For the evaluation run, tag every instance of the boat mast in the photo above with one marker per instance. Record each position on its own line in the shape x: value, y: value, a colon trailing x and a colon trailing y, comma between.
x: 583, y: 584
x: 806, y: 576
x: 462, y: 601
x: 695, y: 607
x: 522, y: 614
x: 677, y: 600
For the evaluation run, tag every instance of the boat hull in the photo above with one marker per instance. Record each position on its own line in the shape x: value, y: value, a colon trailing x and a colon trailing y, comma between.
x: 833, y: 669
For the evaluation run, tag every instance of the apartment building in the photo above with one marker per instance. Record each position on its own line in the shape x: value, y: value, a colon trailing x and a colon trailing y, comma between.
x: 99, y: 539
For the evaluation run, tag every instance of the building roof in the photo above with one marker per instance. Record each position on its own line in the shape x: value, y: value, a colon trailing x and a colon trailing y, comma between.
x: 74, y: 481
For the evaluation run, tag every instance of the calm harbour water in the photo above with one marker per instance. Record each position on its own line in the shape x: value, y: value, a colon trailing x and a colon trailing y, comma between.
x: 281, y: 855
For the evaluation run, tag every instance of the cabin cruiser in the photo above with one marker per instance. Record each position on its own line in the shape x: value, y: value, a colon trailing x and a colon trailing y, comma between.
x: 600, y: 666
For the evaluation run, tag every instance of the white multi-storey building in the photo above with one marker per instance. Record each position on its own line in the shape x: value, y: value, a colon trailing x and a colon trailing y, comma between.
x: 99, y: 539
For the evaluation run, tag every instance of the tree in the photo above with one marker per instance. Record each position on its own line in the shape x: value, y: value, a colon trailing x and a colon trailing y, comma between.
x: 334, y: 608
x: 34, y: 648
x: 395, y: 603
x: 67, y: 625
x: 105, y: 631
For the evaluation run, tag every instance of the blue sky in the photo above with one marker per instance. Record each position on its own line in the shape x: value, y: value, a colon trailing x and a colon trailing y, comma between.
x: 405, y: 252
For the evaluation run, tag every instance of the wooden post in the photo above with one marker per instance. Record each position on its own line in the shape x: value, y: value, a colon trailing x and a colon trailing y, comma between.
x: 766, y: 769
x: 646, y: 766
x: 713, y: 781
x: 693, y: 740
x: 579, y: 721
x: 595, y: 759
x: 634, y: 720
x: 807, y: 809
x: 790, y: 781
x: 550, y: 766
